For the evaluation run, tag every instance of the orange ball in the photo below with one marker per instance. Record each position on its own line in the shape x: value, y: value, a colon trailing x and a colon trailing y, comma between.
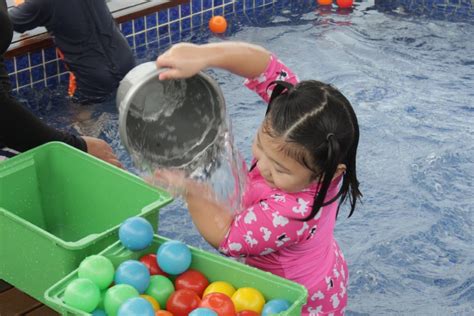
x: 344, y: 4
x: 163, y: 313
x: 218, y: 24
x: 324, y: 2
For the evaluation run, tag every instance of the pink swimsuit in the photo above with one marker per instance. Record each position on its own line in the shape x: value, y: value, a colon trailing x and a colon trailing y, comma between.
x: 270, y: 235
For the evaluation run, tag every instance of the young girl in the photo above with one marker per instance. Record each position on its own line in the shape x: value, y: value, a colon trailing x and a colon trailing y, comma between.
x: 304, y: 166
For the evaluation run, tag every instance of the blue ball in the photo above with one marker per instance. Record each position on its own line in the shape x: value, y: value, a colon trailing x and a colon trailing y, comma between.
x: 136, y: 306
x: 136, y: 233
x: 174, y: 257
x: 202, y: 311
x: 99, y: 312
x: 275, y: 306
x: 133, y: 273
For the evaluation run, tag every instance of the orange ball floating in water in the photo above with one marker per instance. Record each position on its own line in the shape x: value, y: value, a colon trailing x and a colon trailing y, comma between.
x: 218, y: 24
x: 324, y: 2
x: 344, y: 4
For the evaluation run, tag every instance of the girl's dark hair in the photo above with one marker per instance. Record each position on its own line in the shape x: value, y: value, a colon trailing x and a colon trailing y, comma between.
x: 322, y: 126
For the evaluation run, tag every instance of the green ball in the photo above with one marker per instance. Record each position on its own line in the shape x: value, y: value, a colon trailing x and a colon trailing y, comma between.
x: 82, y: 294
x: 160, y: 289
x: 98, y: 269
x: 116, y: 296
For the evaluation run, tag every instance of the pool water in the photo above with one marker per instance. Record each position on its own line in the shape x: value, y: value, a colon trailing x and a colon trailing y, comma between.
x: 409, y: 245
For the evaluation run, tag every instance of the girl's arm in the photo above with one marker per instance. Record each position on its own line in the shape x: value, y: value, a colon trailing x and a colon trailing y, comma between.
x: 185, y: 59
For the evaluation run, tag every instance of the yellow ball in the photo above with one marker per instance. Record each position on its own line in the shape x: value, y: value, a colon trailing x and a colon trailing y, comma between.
x: 247, y: 298
x: 219, y: 287
x: 153, y: 302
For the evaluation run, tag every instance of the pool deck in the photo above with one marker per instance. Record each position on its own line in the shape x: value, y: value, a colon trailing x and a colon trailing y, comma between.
x: 122, y: 10
x: 14, y: 302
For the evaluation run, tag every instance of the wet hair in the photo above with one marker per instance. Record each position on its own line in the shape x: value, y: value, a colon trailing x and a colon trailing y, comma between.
x: 320, y: 130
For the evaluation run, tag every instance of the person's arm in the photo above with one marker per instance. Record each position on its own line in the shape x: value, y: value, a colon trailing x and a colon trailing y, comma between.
x: 185, y: 59
x: 29, y: 15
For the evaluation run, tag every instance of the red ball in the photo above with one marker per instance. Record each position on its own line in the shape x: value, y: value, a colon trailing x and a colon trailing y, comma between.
x: 344, y: 4
x: 248, y: 313
x: 192, y: 280
x: 182, y: 302
x: 152, y: 264
x: 218, y: 24
x: 220, y: 303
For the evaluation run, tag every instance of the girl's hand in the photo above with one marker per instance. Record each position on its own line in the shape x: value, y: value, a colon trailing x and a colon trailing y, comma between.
x: 184, y: 60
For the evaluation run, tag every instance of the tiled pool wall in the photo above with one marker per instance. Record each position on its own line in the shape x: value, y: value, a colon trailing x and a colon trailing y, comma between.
x: 42, y: 68
x: 456, y: 10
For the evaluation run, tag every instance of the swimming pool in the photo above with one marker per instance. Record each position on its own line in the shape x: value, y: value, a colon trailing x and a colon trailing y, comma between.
x: 410, y: 79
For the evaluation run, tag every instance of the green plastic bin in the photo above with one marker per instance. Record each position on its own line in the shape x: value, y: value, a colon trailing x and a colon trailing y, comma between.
x: 213, y: 266
x: 59, y: 205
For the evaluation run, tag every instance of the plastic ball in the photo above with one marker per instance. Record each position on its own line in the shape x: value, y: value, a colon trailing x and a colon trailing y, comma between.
x: 247, y: 313
x: 150, y: 262
x: 133, y: 273
x: 98, y: 269
x: 324, y: 2
x: 153, y: 302
x: 136, y: 233
x: 174, y: 257
x: 99, y: 312
x: 116, y: 296
x: 220, y: 303
x: 344, y: 4
x: 162, y: 312
x: 220, y: 287
x: 136, y: 306
x: 82, y: 294
x: 192, y: 280
x: 160, y: 289
x: 218, y: 24
x: 247, y: 298
x: 202, y: 311
x: 275, y: 306
x: 182, y: 302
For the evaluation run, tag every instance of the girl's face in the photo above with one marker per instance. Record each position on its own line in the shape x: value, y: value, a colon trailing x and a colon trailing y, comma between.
x: 279, y: 170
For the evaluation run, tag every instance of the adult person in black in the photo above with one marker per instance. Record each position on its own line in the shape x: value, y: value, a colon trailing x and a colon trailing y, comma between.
x: 20, y: 130
x: 85, y: 32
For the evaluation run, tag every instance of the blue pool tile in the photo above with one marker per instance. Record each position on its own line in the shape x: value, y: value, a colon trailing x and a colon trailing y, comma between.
x: 51, y: 69
x: 37, y: 73
x: 23, y: 78
x: 196, y: 20
x: 151, y: 35
x: 39, y: 85
x: 52, y: 82
x: 217, y: 2
x: 228, y: 9
x: 163, y: 30
x: 64, y: 78
x: 206, y: 17
x: 196, y: 6
x: 22, y: 62
x: 140, y: 39
x: 50, y: 54
x: 127, y: 28
x: 36, y: 58
x: 206, y: 4
x: 185, y: 10
x: 130, y: 41
x: 175, y: 37
x: 163, y: 17
x: 62, y: 67
x: 239, y: 6
x: 10, y: 66
x: 139, y: 25
x: 174, y: 27
x: 219, y: 11
x: 228, y: 1
x: 165, y: 41
x: 141, y: 51
x: 174, y: 14
x: 185, y: 24
x: 12, y: 81
x: 258, y: 3
x: 151, y: 21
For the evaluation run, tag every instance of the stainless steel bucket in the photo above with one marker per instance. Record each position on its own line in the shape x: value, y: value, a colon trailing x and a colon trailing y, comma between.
x: 180, y: 124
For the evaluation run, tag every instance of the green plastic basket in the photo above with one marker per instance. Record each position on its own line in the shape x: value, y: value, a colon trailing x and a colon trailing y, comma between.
x: 213, y: 266
x: 59, y: 205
